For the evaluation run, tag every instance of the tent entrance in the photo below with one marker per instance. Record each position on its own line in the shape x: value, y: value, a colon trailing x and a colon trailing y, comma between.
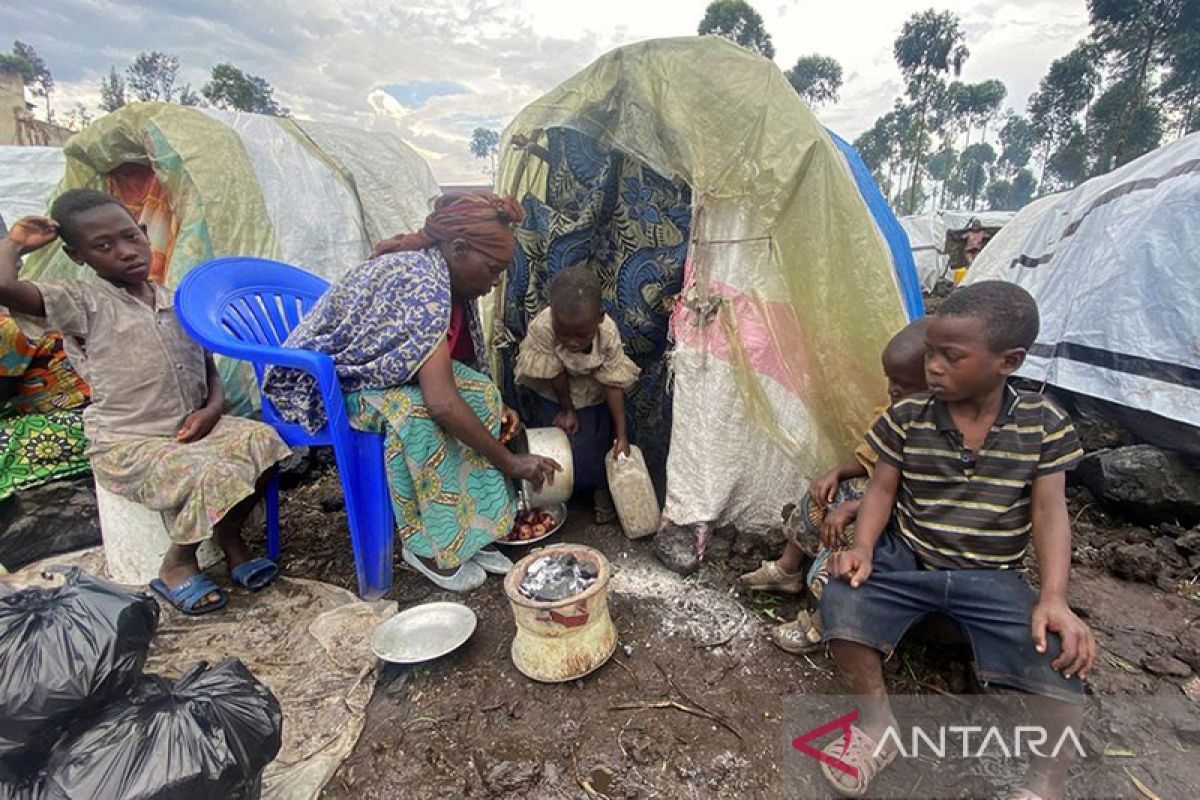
x: 598, y: 206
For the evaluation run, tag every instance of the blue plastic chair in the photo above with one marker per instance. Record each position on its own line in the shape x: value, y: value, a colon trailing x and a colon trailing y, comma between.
x: 245, y: 308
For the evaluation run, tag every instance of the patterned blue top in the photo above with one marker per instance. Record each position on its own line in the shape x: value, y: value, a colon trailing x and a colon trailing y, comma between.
x: 379, y: 323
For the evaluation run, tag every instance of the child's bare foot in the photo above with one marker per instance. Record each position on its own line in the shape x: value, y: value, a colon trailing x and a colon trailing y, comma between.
x: 602, y: 501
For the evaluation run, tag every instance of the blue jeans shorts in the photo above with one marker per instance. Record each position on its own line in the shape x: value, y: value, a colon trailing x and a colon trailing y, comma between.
x: 992, y: 607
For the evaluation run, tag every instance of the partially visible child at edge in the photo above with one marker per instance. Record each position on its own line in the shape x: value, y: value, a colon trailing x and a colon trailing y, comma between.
x: 972, y: 467
x: 155, y: 429
x: 830, y: 506
x: 573, y: 358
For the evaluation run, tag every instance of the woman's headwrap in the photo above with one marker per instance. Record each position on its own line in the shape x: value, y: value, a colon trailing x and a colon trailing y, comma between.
x: 482, y: 220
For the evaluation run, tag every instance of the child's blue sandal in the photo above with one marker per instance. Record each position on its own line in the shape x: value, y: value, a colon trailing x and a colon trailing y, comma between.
x: 255, y: 574
x: 188, y: 597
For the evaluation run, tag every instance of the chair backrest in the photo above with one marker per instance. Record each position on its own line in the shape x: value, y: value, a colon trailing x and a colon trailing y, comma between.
x: 235, y: 300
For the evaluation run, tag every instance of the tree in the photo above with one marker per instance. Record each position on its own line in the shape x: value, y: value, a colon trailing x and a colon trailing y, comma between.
x: 25, y: 61
x: 999, y: 195
x: 151, y: 76
x: 973, y: 167
x: 940, y: 166
x: 1017, y: 139
x: 985, y: 99
x: 929, y: 45
x: 485, y: 143
x: 1119, y: 131
x: 189, y: 97
x: 817, y: 79
x: 1135, y: 33
x: 737, y: 21
x: 112, y: 91
x: 1180, y: 86
x: 78, y: 118
x: 234, y: 90
x: 1062, y: 95
x: 1068, y: 164
x: 1023, y: 187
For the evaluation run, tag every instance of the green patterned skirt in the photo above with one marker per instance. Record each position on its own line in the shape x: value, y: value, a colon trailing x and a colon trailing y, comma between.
x: 449, y: 501
x: 39, y: 448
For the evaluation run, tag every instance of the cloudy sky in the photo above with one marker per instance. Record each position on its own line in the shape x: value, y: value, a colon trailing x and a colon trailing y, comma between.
x: 436, y: 69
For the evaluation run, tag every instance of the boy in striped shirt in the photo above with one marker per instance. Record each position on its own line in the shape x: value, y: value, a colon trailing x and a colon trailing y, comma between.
x: 974, y: 470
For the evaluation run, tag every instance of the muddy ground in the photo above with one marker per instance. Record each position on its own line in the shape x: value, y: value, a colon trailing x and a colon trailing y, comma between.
x: 471, y: 726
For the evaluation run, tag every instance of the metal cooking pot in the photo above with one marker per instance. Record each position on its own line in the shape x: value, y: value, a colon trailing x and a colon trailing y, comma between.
x: 552, y: 443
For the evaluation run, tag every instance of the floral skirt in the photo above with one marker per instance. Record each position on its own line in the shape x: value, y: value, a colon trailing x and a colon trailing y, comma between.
x: 193, y: 485
x: 39, y: 448
x: 449, y: 501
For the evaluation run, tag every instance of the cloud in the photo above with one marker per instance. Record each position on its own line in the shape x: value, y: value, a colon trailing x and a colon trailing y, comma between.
x: 435, y: 70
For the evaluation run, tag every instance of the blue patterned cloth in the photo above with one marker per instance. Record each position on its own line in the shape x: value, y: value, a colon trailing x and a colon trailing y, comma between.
x: 632, y: 226
x: 379, y: 323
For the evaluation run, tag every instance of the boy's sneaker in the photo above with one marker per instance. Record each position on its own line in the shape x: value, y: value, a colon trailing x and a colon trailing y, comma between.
x: 799, y: 637
x: 770, y: 578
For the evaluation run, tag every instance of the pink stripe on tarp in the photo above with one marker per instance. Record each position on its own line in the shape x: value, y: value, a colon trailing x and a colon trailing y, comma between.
x: 769, y: 332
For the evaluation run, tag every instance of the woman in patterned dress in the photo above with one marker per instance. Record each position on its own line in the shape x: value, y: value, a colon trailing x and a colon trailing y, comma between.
x: 404, y: 335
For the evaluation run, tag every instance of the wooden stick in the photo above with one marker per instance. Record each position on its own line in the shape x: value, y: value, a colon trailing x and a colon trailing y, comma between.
x: 675, y: 704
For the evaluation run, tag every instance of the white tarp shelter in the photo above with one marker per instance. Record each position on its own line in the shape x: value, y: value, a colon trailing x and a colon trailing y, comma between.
x: 1113, y: 265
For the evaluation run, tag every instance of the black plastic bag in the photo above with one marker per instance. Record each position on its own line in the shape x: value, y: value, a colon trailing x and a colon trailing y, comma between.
x: 65, y: 652
x: 207, y: 735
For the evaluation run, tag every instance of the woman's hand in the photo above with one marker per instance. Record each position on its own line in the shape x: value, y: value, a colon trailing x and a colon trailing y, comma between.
x: 621, y: 447
x: 535, y: 469
x: 833, y: 529
x: 33, y: 233
x: 824, y: 489
x: 198, y: 424
x: 510, y: 425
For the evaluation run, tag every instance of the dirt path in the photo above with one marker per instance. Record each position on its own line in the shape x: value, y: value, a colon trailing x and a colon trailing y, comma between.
x: 471, y: 726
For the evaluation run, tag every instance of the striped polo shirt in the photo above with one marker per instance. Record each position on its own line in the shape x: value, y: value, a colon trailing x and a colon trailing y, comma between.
x: 960, y: 509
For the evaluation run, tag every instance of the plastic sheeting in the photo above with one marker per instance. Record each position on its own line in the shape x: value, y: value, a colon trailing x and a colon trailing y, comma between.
x: 789, y: 294
x: 244, y: 184
x: 28, y: 175
x: 893, y: 232
x: 1112, y: 264
x: 308, y: 642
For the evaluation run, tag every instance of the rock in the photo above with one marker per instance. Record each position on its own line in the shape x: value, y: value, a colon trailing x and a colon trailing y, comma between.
x: 1143, y: 483
x: 44, y: 521
x: 1188, y: 650
x: 511, y: 776
x: 720, y: 544
x: 1165, y: 666
x: 1133, y: 562
x: 1188, y: 731
x: 676, y: 549
x: 1189, y: 543
x: 760, y: 545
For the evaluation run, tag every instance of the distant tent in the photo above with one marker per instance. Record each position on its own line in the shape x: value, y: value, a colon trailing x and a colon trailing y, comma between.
x: 1113, y: 265
x: 751, y: 279
x: 28, y: 176
x: 209, y: 183
x: 936, y: 240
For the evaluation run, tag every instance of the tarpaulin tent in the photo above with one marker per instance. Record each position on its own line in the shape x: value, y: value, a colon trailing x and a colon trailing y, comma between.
x: 733, y: 245
x: 927, y: 236
x: 210, y: 183
x: 28, y: 176
x: 1113, y: 266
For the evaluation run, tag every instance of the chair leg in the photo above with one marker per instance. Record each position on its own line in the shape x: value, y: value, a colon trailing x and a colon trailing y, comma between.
x: 272, y: 501
x: 369, y: 512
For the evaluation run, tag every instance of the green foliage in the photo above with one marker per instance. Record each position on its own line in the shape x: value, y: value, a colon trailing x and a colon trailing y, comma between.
x: 1121, y: 125
x: 737, y: 21
x: 112, y: 90
x: 151, y: 77
x: 817, y: 79
x: 26, y: 62
x: 1064, y: 93
x: 1017, y: 140
x: 1068, y: 164
x: 485, y: 144
x: 231, y: 89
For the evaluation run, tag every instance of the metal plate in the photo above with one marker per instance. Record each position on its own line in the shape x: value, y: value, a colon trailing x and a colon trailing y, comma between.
x: 559, y: 510
x: 423, y: 632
